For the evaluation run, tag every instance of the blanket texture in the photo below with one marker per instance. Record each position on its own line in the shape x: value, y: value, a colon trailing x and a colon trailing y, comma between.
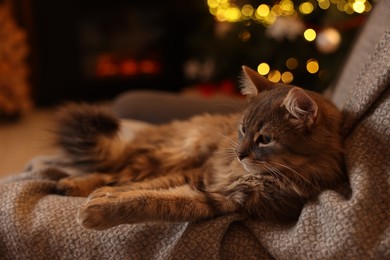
x: 35, y: 223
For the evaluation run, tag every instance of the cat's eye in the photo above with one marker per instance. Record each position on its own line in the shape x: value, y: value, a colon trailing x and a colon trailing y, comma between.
x: 265, y: 139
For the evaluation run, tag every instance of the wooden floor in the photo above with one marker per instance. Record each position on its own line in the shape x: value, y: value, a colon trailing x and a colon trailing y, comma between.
x: 22, y: 140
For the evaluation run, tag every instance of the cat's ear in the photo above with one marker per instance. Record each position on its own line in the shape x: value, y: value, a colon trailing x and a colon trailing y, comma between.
x: 253, y: 83
x: 300, y: 105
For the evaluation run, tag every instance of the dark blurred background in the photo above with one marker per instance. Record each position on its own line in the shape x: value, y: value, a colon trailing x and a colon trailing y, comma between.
x: 90, y: 50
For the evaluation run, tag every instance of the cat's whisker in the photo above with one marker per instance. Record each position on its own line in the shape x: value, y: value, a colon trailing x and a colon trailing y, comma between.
x: 229, y: 155
x: 297, y: 173
x: 230, y: 141
x: 277, y: 173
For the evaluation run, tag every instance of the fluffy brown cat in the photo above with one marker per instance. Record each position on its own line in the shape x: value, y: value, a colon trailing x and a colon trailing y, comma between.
x: 265, y: 163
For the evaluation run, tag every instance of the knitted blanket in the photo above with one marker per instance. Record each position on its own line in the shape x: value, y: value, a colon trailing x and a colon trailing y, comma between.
x: 35, y: 223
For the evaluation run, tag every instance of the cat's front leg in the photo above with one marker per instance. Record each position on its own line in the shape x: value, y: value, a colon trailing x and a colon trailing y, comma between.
x: 83, y: 185
x: 107, y: 209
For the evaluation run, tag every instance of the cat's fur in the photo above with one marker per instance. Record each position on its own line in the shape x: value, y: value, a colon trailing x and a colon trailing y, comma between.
x: 283, y: 150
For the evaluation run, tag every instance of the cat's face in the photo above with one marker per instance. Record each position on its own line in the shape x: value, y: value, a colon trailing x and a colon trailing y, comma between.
x: 286, y: 130
x: 265, y: 134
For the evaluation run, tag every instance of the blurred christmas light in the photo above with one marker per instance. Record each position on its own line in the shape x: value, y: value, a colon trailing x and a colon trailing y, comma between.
x: 328, y: 40
x: 306, y: 8
x: 292, y: 63
x: 225, y: 10
x: 277, y: 10
x: 233, y: 14
x: 269, y: 19
x: 312, y: 66
x: 287, y: 77
x: 263, y: 68
x: 245, y: 36
x: 367, y: 6
x: 274, y: 76
x: 247, y: 10
x: 341, y: 5
x: 310, y: 35
x: 287, y: 7
x: 263, y: 10
x: 289, y: 20
x: 359, y: 6
x: 212, y: 3
x: 324, y: 4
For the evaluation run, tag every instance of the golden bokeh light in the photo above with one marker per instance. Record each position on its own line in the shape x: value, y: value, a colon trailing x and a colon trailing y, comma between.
x: 340, y: 5
x: 263, y: 10
x: 310, y: 35
x: 292, y: 63
x: 324, y: 4
x: 368, y: 6
x: 277, y: 10
x: 287, y: 6
x: 312, y: 66
x: 359, y: 7
x: 212, y: 3
x: 287, y: 77
x: 233, y: 14
x: 306, y: 8
x: 274, y: 76
x: 266, y: 14
x: 247, y: 10
x: 263, y: 68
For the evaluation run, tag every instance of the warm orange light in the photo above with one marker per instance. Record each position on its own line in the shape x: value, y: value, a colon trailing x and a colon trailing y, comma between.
x: 312, y: 66
x: 106, y: 66
x: 149, y: 67
x: 129, y: 67
x: 274, y: 76
x: 287, y: 77
x: 292, y: 63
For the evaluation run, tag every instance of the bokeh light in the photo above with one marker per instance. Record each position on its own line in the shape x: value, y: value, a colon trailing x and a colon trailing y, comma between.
x: 324, y: 4
x: 310, y: 35
x: 287, y: 77
x: 359, y: 7
x: 263, y: 68
x: 292, y: 63
x: 247, y: 10
x: 306, y: 8
x: 312, y: 66
x: 263, y: 10
x: 274, y: 76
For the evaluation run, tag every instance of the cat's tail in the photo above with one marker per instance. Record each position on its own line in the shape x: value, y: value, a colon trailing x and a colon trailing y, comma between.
x: 89, y: 137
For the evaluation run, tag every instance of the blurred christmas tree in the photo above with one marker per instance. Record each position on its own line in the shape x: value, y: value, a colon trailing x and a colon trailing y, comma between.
x: 298, y: 42
x: 15, y: 97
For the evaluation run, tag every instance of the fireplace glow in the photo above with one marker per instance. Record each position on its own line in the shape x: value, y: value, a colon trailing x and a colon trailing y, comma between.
x: 108, y: 66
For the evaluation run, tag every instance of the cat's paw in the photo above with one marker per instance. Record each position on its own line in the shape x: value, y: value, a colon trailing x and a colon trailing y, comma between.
x: 95, y: 214
x: 71, y: 187
x: 100, y: 210
x: 105, y: 192
x: 108, y: 207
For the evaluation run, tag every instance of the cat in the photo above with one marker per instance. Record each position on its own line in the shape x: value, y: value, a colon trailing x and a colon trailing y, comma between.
x: 264, y: 163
